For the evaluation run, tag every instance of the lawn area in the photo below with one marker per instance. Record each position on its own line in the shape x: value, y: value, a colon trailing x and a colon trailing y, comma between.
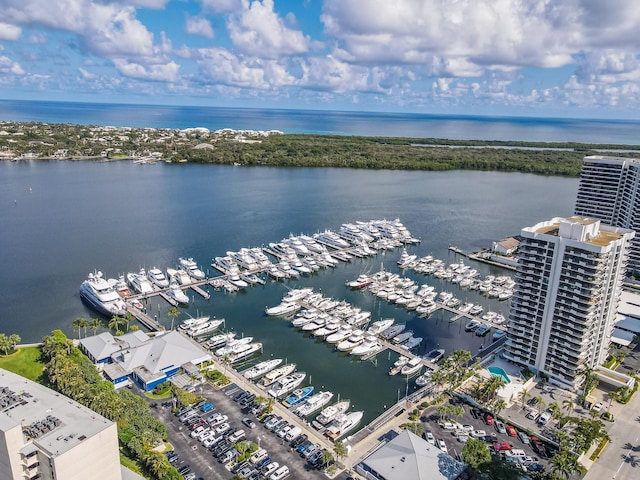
x: 25, y: 362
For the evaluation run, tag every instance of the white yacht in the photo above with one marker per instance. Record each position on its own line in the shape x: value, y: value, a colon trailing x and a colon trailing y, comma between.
x: 218, y: 340
x: 156, y: 277
x: 423, y: 379
x: 412, y: 367
x: 403, y: 337
x: 245, y: 352
x: 275, y: 375
x: 352, y: 341
x: 332, y: 239
x: 330, y: 413
x: 235, y: 279
x: 392, y: 331
x: 207, y: 327
x: 180, y: 276
x: 342, y: 333
x: 194, y: 322
x: 413, y: 342
x: 191, y: 267
x: 261, y: 368
x: 244, y: 259
x: 177, y: 294
x: 101, y: 297
x: 286, y: 384
x: 313, y: 403
x: 297, y: 245
x: 368, y: 347
x: 283, y: 309
x: 139, y: 282
x: 343, y: 424
x: 233, y: 346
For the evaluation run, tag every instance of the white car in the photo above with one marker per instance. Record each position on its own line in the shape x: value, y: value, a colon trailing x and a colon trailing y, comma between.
x: 442, y: 446
x: 478, y: 433
x: 197, y: 431
x: 597, y: 407
x: 269, y: 469
x: 223, y: 427
x: 465, y: 428
x: 213, y: 421
x: 430, y: 438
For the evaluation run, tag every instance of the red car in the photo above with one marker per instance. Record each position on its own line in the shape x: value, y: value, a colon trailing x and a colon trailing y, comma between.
x: 502, y: 446
x: 488, y: 419
x: 511, y: 431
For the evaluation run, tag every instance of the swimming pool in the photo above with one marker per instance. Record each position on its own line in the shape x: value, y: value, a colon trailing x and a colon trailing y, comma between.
x: 499, y: 372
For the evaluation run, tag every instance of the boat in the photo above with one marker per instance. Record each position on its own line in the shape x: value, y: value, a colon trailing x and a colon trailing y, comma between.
x: 156, y: 277
x: 476, y: 310
x: 298, y: 396
x: 352, y: 341
x: 342, y: 425
x: 120, y: 286
x: 379, y: 326
x: 423, y: 379
x: 245, y: 352
x: 330, y: 413
x: 261, y: 368
x: 482, y: 330
x: 413, y: 342
x: 275, y: 375
x: 180, y: 276
x: 205, y: 328
x: 233, y: 346
x: 401, y: 361
x: 359, y: 283
x: 404, y: 336
x: 177, y: 294
x: 283, y: 309
x: 412, y: 367
x: 194, y: 322
x: 498, y: 334
x: 341, y: 334
x: 331, y: 239
x: 218, y: 340
x: 96, y: 292
x: 472, y: 325
x: 367, y: 347
x: 313, y: 403
x: 139, y: 282
x: 434, y: 355
x: 392, y: 331
x: 286, y: 384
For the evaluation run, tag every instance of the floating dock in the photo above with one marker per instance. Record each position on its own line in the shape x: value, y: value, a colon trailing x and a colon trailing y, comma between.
x: 145, y: 319
x: 203, y: 293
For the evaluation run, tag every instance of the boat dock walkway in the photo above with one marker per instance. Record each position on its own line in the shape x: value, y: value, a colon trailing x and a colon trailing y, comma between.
x: 203, y: 293
x: 145, y: 319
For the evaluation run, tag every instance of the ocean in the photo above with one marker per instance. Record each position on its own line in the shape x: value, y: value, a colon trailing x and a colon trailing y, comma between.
x: 458, y: 127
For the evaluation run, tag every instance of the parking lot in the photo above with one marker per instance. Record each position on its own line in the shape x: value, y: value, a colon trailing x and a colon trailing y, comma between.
x: 473, y: 424
x: 202, y: 462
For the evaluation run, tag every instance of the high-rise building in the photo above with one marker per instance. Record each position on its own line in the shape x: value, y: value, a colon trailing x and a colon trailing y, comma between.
x: 45, y: 435
x: 568, y: 284
x: 610, y: 191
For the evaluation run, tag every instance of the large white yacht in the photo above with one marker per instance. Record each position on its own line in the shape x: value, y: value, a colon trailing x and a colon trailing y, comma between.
x: 313, y: 403
x: 261, y: 368
x: 177, y: 294
x: 286, y: 384
x: 330, y: 413
x: 191, y: 267
x: 275, y: 375
x: 178, y: 275
x: 343, y: 424
x: 157, y: 277
x: 139, y: 282
x: 332, y: 239
x: 96, y: 292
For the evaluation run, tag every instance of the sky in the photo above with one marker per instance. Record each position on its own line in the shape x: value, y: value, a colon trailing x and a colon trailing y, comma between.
x: 547, y: 58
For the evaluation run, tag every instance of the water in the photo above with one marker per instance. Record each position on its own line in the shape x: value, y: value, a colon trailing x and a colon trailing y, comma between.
x: 62, y: 219
x: 330, y: 122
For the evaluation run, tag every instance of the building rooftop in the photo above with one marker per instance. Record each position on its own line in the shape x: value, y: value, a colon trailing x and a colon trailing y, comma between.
x: 589, y: 230
x: 55, y: 422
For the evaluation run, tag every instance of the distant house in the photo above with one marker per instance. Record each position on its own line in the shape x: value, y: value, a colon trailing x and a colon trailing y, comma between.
x: 145, y: 361
x: 409, y: 456
x: 506, y: 247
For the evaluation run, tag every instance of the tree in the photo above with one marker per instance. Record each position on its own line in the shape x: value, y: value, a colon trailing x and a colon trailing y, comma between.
x: 554, y: 408
x: 80, y: 323
x: 339, y: 449
x: 475, y: 453
x: 498, y: 406
x: 172, y: 314
x: 7, y: 342
x: 415, y: 427
x: 327, y: 457
x: 128, y: 318
x: 568, y: 405
x: 524, y: 395
x: 116, y: 322
x: 564, y: 464
x: 95, y: 324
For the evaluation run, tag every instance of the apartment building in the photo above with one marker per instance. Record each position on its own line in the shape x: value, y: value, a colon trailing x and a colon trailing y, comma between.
x: 568, y: 285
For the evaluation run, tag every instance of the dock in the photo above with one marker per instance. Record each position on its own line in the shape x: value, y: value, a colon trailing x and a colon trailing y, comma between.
x: 203, y: 293
x: 458, y: 251
x: 168, y: 299
x: 145, y: 319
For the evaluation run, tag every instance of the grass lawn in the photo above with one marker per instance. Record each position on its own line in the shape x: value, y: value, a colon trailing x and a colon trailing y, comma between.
x: 25, y: 362
x: 130, y: 464
x: 161, y: 396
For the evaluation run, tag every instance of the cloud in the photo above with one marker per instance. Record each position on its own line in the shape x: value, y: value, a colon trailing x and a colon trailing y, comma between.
x: 199, y: 26
x: 258, y: 31
x: 222, y: 6
x: 86, y: 75
x: 9, y: 32
x: 161, y: 73
x: 38, y: 38
x: 8, y: 66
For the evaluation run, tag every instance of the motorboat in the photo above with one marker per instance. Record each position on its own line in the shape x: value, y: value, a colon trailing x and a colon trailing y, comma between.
x: 404, y: 336
x: 412, y: 367
x: 180, y: 276
x: 298, y: 396
x: 313, y: 403
x: 413, y: 342
x: 156, y: 277
x: 366, y: 348
x: 283, y: 309
x: 235, y: 279
x: 298, y: 246
x: 275, y: 273
x: 331, y: 239
x: 286, y: 384
x: 392, y: 331
x: 244, y: 259
x: 177, y: 294
x: 472, y: 325
x: 245, y: 352
x: 139, y: 282
x: 120, y: 286
x: 342, y: 425
x: 194, y: 322
x: 476, y: 310
x: 275, y: 375
x: 218, y: 340
x: 352, y: 341
x: 379, y: 326
x: 233, y: 346
x: 342, y: 333
x: 361, y: 282
x: 482, y: 330
x: 191, y: 267
x: 434, y: 355
x: 96, y: 292
x: 207, y: 327
x: 261, y: 368
x: 423, y: 379
x: 329, y: 328
x: 330, y: 413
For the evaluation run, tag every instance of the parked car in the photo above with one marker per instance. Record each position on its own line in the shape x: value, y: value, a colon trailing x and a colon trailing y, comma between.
x: 532, y: 415
x: 183, y: 470
x: 488, y: 419
x: 207, y: 407
x: 524, y: 438
x: 502, y: 446
x: 535, y: 467
x: 511, y: 431
x: 267, y: 470
x: 538, y: 446
x: 441, y: 445
x: 248, y: 422
x: 545, y: 417
x: 597, y: 407
x: 298, y: 440
x: 428, y: 436
x: 500, y: 428
x: 263, y: 463
x: 478, y: 433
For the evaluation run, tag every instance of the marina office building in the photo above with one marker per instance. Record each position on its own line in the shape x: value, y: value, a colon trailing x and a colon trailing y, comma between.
x: 568, y: 286
x: 45, y: 435
x: 609, y: 190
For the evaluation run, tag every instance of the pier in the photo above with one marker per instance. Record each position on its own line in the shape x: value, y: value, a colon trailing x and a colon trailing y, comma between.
x: 145, y: 319
x: 204, y: 294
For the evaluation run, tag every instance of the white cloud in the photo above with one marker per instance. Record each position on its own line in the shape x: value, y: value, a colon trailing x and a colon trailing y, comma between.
x: 259, y: 31
x: 222, y: 6
x: 86, y: 75
x: 155, y: 4
x: 8, y: 66
x: 38, y: 38
x: 9, y: 32
x: 199, y: 26
x: 162, y: 73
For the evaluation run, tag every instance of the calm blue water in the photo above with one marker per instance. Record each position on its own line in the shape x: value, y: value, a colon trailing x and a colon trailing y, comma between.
x: 61, y: 220
x: 329, y: 122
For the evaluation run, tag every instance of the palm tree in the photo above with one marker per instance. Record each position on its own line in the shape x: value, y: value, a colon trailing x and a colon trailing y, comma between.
x: 116, y: 322
x: 95, y: 324
x: 340, y: 450
x: 327, y: 457
x: 554, y: 408
x: 568, y: 405
x: 498, y: 406
x: 524, y: 395
x: 128, y: 318
x: 172, y: 314
x: 564, y: 464
x: 79, y: 323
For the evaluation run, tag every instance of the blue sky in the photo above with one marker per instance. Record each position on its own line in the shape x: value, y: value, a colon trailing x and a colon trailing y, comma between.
x: 558, y: 58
